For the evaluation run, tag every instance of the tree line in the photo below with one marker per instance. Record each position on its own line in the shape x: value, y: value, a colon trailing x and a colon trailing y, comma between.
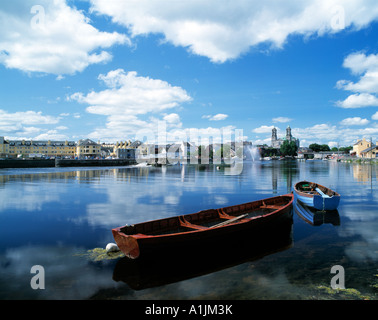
x: 290, y: 148
x: 324, y: 147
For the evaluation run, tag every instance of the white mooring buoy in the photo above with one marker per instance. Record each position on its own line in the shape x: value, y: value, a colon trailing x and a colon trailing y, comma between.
x: 111, y: 247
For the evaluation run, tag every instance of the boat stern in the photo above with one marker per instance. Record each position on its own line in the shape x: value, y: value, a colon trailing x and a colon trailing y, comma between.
x: 330, y: 203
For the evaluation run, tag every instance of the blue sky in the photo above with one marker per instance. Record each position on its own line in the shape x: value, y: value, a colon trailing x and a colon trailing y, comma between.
x: 107, y: 70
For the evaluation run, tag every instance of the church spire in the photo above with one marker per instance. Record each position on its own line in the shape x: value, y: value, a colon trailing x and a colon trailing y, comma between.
x: 288, y: 133
x: 274, y: 133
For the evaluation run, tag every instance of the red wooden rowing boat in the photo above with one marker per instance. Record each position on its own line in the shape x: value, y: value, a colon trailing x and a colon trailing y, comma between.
x: 177, y: 232
x: 206, y: 258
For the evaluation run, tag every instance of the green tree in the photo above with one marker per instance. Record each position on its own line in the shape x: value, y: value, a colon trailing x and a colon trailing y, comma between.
x: 346, y: 149
x: 201, y: 149
x: 204, y: 153
x: 314, y: 147
x: 325, y: 147
x: 342, y: 149
x: 224, y: 151
x: 288, y: 148
x: 319, y: 147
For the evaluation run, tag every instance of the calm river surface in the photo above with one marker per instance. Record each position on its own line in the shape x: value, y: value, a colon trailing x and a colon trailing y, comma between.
x: 57, y: 217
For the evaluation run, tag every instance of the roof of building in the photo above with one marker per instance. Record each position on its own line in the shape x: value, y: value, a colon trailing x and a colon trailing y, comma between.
x: 357, y: 142
x: 369, y: 149
x: 361, y: 140
x: 86, y: 142
x: 40, y: 142
x: 135, y: 144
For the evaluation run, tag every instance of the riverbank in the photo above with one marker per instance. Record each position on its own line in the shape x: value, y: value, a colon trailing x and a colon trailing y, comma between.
x: 360, y: 161
x: 48, y: 163
x: 346, y: 160
x: 26, y: 163
x: 93, y: 162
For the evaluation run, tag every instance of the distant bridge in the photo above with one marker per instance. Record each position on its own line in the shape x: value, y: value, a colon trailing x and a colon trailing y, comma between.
x: 320, y: 154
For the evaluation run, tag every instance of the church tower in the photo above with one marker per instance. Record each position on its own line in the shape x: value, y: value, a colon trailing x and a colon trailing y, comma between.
x: 274, y: 137
x: 276, y: 143
x: 274, y: 134
x: 288, y: 133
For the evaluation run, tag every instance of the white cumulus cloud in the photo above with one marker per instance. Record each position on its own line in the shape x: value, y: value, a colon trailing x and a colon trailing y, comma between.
x: 30, y: 125
x: 263, y: 129
x: 130, y: 94
x: 282, y: 119
x: 172, y: 118
x: 354, y: 121
x: 26, y: 118
x: 224, y: 31
x: 358, y: 100
x: 365, y: 90
x: 126, y: 98
x: 51, y: 37
x: 217, y: 117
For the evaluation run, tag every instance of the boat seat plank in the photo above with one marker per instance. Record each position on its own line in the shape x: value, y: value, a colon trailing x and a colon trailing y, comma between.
x: 309, y: 192
x: 194, y: 226
x: 270, y: 206
x: 322, y: 193
x: 186, y: 224
x: 224, y: 215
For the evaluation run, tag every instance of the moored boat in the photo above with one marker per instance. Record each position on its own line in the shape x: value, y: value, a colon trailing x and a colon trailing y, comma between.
x: 205, y: 258
x: 317, y: 196
x: 216, y: 225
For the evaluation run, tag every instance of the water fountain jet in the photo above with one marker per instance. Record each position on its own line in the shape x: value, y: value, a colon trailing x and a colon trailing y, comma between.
x: 252, y: 153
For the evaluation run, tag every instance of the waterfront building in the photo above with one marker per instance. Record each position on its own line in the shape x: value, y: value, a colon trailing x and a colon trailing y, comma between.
x: 88, y: 148
x: 304, y: 153
x: 359, y: 146
x: 111, y: 149
x: 180, y: 151
x: 276, y: 143
x: 175, y: 152
x: 124, y: 146
x: 4, y: 147
x: 370, y: 152
x: 125, y: 153
x: 107, y: 150
x: 37, y: 148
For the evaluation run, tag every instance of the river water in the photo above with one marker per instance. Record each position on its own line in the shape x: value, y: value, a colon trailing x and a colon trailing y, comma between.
x: 59, y: 218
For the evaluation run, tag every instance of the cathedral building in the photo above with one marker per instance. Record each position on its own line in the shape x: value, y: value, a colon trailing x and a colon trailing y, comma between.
x: 276, y: 143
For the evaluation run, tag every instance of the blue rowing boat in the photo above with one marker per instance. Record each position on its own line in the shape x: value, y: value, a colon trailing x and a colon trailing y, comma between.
x: 317, y: 196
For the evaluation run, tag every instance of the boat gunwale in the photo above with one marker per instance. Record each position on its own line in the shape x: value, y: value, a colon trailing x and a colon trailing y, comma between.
x: 138, y: 236
x: 312, y: 195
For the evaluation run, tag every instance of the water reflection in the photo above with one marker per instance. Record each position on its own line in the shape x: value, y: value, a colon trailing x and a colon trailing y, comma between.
x: 361, y: 223
x: 287, y: 171
x: 57, y: 212
x: 67, y: 276
x: 365, y: 173
x: 315, y: 217
x: 207, y: 258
